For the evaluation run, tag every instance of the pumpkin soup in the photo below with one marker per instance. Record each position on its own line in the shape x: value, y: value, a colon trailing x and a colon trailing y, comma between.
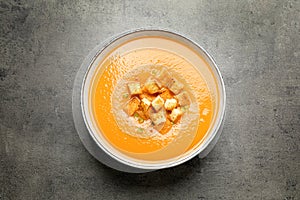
x: 151, y: 104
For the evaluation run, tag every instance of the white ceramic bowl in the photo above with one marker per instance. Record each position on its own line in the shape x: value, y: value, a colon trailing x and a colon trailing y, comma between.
x: 212, y: 76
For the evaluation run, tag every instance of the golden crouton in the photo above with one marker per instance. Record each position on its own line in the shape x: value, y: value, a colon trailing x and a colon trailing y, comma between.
x: 141, y: 114
x: 145, y: 104
x: 157, y: 118
x: 151, y: 86
x: 132, y: 106
x: 166, y: 94
x: 150, y: 97
x: 164, y: 77
x: 175, y: 115
x: 183, y: 98
x: 170, y: 104
x: 176, y: 86
x: 158, y: 103
x: 167, y: 127
x: 134, y: 88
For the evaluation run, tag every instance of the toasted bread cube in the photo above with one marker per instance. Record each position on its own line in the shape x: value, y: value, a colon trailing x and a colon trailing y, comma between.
x: 167, y: 127
x: 134, y: 88
x: 151, y: 86
x: 142, y: 114
x: 158, y: 103
x: 176, y: 86
x: 166, y: 94
x: 132, y: 106
x: 175, y: 115
x: 158, y: 118
x: 183, y: 98
x: 145, y: 104
x: 163, y: 89
x: 164, y: 77
x: 150, y: 97
x: 170, y: 104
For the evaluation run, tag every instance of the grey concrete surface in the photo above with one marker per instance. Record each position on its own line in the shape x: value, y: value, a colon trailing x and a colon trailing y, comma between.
x: 255, y: 43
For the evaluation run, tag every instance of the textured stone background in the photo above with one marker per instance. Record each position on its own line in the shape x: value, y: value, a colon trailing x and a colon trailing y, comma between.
x: 255, y: 43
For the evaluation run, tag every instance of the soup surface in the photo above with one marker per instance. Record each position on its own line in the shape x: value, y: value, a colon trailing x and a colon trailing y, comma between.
x: 141, y: 140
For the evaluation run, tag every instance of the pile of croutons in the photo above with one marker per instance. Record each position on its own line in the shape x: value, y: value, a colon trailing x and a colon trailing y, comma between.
x: 161, y: 99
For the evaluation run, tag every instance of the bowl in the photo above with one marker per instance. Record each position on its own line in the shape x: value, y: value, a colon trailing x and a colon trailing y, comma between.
x: 168, y: 41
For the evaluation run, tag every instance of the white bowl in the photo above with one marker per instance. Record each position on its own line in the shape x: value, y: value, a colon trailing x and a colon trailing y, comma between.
x: 212, y: 76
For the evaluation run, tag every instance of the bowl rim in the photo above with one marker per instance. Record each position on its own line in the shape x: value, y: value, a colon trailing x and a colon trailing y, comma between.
x: 90, y: 59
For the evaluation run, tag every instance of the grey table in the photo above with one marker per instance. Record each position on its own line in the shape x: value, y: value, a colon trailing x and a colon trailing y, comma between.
x: 255, y: 43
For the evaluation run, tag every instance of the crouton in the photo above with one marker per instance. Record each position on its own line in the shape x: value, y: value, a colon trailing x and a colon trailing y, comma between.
x: 176, y: 86
x: 134, y: 88
x: 141, y: 114
x: 145, y: 104
x: 150, y: 97
x: 158, y: 103
x: 157, y: 118
x: 163, y: 89
x: 164, y: 77
x: 166, y: 94
x: 151, y: 86
x: 183, y: 98
x: 170, y: 104
x: 132, y: 106
x: 167, y: 127
x: 175, y: 115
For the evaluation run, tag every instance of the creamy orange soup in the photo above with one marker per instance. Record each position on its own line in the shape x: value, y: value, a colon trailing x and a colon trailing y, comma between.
x: 116, y: 69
